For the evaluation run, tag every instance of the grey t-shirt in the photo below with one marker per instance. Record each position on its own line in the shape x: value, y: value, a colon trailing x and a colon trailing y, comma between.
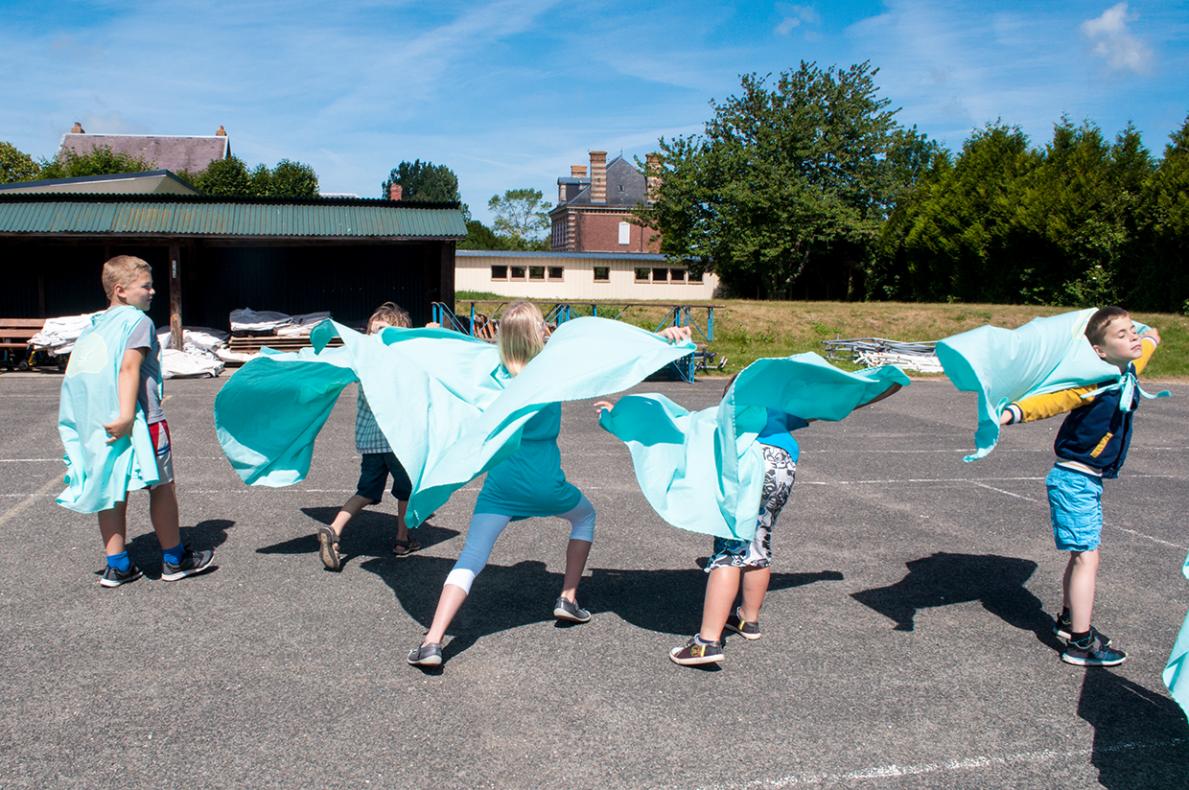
x: 148, y: 394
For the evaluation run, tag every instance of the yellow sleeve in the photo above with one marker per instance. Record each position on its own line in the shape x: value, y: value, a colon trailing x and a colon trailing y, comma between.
x: 1039, y: 407
x: 1146, y: 357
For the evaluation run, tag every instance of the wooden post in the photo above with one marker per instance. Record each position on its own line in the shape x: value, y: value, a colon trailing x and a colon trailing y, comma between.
x: 176, y: 338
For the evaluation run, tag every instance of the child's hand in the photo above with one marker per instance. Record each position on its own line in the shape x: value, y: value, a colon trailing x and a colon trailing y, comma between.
x: 118, y: 429
x: 1005, y: 417
x: 676, y: 334
x: 602, y: 406
x: 1153, y: 333
x: 432, y: 325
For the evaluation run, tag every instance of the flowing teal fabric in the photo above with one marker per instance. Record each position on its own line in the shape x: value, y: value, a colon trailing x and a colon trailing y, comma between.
x: 447, y: 406
x: 1006, y: 365
x: 1176, y: 673
x: 100, y: 475
x: 704, y: 471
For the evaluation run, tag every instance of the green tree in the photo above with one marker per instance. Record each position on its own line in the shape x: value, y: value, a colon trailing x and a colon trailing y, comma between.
x: 423, y: 181
x: 481, y: 237
x: 1160, y: 280
x: 521, y: 218
x: 294, y: 180
x: 260, y: 181
x: 16, y: 165
x: 225, y: 177
x: 785, y: 191
x: 100, y: 161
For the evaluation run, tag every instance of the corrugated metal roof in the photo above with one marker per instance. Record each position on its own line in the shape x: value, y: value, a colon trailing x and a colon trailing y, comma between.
x: 183, y: 216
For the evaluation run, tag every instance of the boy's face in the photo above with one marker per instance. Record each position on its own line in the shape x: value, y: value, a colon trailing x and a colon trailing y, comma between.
x: 1120, y: 344
x: 137, y: 292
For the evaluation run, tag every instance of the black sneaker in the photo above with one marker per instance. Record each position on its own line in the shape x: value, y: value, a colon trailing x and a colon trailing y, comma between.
x: 1063, y: 631
x: 426, y: 656
x: 696, y: 652
x: 193, y: 562
x: 570, y: 611
x: 1093, y: 653
x: 740, y: 626
x: 114, y: 578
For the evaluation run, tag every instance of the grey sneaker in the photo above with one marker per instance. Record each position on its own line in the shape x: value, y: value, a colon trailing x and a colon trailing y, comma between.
x: 570, y: 611
x: 426, y: 656
x: 114, y: 578
x: 193, y: 562
x: 1093, y: 653
x: 742, y: 627
x: 696, y: 652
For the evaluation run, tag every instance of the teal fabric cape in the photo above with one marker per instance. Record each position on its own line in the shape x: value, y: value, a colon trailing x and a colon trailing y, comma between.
x: 100, y: 475
x: 704, y: 471
x: 447, y: 406
x: 1176, y: 673
x: 1006, y: 365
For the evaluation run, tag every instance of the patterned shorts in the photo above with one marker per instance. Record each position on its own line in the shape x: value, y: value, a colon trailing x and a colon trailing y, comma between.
x: 780, y: 472
x: 163, y: 446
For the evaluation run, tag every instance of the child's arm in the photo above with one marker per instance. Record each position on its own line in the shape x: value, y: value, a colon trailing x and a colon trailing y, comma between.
x: 126, y: 387
x: 676, y: 334
x: 1152, y: 335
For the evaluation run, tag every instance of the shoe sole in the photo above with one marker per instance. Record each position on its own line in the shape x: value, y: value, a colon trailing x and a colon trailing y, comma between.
x: 179, y: 575
x: 1090, y: 662
x: 744, y: 634
x: 328, y: 550
x: 110, y: 583
x: 430, y: 661
x: 694, y: 662
x: 562, y: 614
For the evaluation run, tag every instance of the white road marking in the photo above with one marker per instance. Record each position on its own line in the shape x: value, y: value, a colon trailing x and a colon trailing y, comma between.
x: 1006, y: 493
x: 29, y: 499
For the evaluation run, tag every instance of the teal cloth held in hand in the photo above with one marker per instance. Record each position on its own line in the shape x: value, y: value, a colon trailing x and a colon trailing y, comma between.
x: 100, y: 475
x: 1176, y: 673
x: 1006, y: 365
x: 704, y: 471
x: 444, y: 402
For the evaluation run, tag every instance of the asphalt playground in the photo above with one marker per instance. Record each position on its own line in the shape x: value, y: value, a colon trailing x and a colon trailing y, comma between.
x: 906, y: 634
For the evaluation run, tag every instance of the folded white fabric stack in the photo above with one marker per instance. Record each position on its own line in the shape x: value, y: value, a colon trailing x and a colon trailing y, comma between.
x: 58, y: 335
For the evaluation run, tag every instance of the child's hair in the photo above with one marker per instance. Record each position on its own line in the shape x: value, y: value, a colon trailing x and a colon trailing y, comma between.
x: 390, y: 313
x: 521, y: 335
x: 1096, y: 327
x: 120, y: 270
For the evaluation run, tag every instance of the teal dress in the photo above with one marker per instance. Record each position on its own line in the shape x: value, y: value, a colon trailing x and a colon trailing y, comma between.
x: 531, y: 482
x: 1176, y: 673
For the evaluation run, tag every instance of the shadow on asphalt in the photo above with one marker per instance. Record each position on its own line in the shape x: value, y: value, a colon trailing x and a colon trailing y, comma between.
x: 370, y: 534
x: 1140, y: 739
x: 145, y: 549
x: 945, y: 579
x: 668, y: 601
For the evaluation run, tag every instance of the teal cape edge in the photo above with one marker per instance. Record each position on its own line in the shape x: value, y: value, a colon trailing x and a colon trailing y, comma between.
x: 1176, y: 673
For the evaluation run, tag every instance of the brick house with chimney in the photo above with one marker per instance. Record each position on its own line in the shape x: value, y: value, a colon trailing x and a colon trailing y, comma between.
x: 594, y: 212
x: 174, y: 152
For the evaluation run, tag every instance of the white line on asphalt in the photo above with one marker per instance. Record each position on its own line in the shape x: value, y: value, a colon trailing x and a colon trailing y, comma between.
x: 1001, y: 491
x: 29, y: 499
x: 1149, y: 537
x: 959, y: 764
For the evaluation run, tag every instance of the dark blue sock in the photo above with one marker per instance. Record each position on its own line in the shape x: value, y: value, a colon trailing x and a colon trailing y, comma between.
x: 174, y: 556
x: 119, y: 562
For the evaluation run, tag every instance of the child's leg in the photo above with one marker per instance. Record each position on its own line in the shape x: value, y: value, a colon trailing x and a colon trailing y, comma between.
x: 402, y: 529
x: 485, y: 528
x: 163, y: 511
x: 112, y: 528
x: 582, y: 529
x: 349, y: 511
x: 721, y: 589
x: 1081, y: 575
x: 755, y: 587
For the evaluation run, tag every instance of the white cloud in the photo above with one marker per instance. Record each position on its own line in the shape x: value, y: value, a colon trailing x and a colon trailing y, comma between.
x: 1114, y: 43
x: 793, y: 16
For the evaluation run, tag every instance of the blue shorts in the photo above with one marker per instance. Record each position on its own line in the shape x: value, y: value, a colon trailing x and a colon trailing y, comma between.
x: 374, y: 469
x: 1075, y: 506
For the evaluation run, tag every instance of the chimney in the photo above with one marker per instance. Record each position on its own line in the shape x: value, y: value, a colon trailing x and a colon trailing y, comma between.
x: 77, y: 128
x: 652, y: 176
x: 598, y: 176
x: 394, y: 191
x: 220, y: 132
x: 577, y: 171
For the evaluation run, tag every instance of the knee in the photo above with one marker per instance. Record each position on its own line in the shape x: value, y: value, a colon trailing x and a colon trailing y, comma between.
x: 462, y: 578
x: 582, y: 527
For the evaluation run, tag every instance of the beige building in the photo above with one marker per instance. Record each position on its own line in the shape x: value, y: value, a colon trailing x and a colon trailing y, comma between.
x: 579, y: 276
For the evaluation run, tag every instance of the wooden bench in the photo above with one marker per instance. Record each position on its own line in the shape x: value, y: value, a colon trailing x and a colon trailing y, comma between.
x: 14, y: 338
x: 251, y: 344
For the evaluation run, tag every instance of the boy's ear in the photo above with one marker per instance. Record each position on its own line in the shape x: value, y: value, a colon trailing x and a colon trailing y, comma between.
x: 1099, y: 350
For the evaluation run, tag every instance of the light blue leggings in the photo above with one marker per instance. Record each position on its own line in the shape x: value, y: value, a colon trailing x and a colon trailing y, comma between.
x: 486, y: 528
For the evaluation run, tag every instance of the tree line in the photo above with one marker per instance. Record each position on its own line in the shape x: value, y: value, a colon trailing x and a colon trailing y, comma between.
x: 805, y: 186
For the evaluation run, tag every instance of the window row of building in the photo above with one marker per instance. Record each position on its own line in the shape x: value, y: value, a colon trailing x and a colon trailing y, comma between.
x: 602, y: 274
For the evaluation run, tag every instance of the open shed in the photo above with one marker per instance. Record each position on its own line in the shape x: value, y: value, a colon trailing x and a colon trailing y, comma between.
x: 211, y: 255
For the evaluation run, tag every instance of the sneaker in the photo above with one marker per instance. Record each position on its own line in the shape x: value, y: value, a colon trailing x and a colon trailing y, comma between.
x: 1093, y: 654
x: 426, y: 656
x: 1063, y: 631
x: 570, y: 611
x: 193, y: 562
x: 696, y: 652
x: 114, y: 578
x: 740, y: 626
x: 328, y: 549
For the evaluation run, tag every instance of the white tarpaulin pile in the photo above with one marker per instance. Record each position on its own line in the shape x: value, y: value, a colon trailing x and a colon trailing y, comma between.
x: 58, y: 335
x: 248, y: 320
x: 199, y: 356
x: 874, y: 351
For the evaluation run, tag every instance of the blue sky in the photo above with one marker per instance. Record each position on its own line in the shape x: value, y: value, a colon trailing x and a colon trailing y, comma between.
x: 510, y: 93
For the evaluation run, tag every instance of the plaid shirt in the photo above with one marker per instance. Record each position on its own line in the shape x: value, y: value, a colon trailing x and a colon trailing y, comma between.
x: 368, y: 436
